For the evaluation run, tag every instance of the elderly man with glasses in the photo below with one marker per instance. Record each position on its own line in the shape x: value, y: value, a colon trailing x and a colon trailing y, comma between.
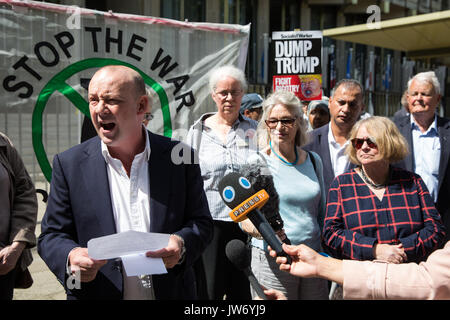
x: 428, y: 136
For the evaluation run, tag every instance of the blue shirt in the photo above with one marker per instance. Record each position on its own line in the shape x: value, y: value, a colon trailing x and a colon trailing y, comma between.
x: 302, y: 202
x: 427, y: 154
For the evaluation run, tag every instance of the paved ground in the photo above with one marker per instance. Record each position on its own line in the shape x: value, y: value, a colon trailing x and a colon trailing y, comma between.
x: 45, y: 286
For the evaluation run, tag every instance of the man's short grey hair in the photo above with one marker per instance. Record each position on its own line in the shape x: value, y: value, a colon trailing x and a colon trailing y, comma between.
x: 227, y: 71
x: 429, y: 77
x: 348, y: 83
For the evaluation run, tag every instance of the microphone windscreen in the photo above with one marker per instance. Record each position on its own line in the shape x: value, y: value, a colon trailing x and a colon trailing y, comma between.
x: 261, y: 179
x: 238, y: 253
x: 256, y: 170
x: 234, y: 189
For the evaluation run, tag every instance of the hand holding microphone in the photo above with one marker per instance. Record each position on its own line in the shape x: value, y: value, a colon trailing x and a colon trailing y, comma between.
x: 237, y: 193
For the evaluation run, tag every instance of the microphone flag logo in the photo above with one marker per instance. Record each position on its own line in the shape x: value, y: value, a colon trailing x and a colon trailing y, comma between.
x: 244, y: 183
x: 228, y: 193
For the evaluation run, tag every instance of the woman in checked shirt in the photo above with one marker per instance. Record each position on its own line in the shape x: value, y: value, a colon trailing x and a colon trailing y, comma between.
x: 376, y: 211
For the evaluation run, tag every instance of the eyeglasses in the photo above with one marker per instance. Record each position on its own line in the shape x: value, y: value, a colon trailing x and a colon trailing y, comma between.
x: 272, y: 123
x: 224, y: 94
x: 358, y: 143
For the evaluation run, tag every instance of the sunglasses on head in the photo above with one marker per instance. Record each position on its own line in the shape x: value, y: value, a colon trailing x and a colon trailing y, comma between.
x: 358, y: 143
x: 272, y: 123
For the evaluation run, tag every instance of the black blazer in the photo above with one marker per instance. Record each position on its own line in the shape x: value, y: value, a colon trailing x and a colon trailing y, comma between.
x: 443, y: 201
x: 318, y: 142
x: 79, y: 209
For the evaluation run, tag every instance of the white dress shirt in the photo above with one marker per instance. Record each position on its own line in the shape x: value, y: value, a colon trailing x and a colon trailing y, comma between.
x: 339, y: 160
x: 130, y: 199
x: 427, y: 155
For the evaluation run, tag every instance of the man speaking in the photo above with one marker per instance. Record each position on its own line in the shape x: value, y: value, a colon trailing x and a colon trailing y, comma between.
x: 122, y: 180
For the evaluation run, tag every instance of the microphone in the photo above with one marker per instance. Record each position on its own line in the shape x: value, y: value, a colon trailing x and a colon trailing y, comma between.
x: 259, y: 175
x: 239, y: 254
x: 237, y: 193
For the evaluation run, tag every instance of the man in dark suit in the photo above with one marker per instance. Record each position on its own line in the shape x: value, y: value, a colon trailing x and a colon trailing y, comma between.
x: 428, y: 136
x: 123, y: 179
x: 346, y: 105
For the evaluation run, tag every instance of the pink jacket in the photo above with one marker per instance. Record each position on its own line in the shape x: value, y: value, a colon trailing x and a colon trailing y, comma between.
x: 381, y: 280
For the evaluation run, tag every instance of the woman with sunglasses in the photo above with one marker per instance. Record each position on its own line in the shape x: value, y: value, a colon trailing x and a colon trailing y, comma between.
x: 298, y: 179
x: 376, y: 211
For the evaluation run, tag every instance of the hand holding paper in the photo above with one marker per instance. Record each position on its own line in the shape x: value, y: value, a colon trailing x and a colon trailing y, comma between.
x: 79, y: 260
x: 126, y: 243
x: 131, y: 247
x: 171, y: 254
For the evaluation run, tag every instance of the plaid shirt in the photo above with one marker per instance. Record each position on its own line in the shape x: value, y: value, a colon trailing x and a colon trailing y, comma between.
x: 356, y: 219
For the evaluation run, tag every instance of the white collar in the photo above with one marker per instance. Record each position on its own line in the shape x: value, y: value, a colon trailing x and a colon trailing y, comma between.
x: 146, y: 152
x: 332, y: 140
x: 432, y: 126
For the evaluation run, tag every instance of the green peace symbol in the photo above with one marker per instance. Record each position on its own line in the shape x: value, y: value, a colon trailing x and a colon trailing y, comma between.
x: 58, y: 83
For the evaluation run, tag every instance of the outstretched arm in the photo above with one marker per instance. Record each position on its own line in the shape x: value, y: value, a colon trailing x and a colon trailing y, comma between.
x: 307, y: 263
x: 374, y: 279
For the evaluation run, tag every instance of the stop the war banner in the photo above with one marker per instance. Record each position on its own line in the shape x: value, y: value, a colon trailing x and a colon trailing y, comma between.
x: 48, y: 54
x: 297, y: 63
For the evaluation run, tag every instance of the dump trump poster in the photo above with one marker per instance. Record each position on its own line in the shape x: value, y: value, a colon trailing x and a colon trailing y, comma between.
x: 297, y: 61
x: 49, y: 53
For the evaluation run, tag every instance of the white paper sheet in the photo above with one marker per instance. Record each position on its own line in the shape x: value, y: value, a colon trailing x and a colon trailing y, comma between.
x: 126, y: 243
x: 139, y: 264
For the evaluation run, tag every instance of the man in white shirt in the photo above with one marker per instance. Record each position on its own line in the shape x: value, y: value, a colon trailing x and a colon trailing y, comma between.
x: 346, y: 104
x: 122, y: 180
x: 428, y: 136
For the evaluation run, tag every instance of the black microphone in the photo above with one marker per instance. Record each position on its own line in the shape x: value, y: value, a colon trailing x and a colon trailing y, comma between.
x: 237, y: 193
x: 239, y: 254
x: 259, y: 175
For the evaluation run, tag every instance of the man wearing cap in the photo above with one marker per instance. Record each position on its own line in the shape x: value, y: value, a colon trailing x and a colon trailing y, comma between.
x: 251, y: 106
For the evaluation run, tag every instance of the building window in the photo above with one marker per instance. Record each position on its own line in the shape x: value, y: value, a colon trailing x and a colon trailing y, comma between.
x: 191, y: 10
x: 195, y: 10
x: 324, y: 17
x: 171, y: 9
x: 235, y: 11
x: 291, y: 12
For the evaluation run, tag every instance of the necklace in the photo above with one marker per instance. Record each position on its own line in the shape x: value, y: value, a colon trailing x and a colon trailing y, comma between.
x: 286, y: 162
x: 373, y: 184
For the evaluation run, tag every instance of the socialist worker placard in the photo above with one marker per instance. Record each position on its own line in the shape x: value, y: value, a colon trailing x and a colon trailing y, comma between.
x: 297, y: 63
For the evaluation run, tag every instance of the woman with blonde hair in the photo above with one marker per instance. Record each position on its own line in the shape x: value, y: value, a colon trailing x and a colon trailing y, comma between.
x: 377, y: 211
x: 297, y: 176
